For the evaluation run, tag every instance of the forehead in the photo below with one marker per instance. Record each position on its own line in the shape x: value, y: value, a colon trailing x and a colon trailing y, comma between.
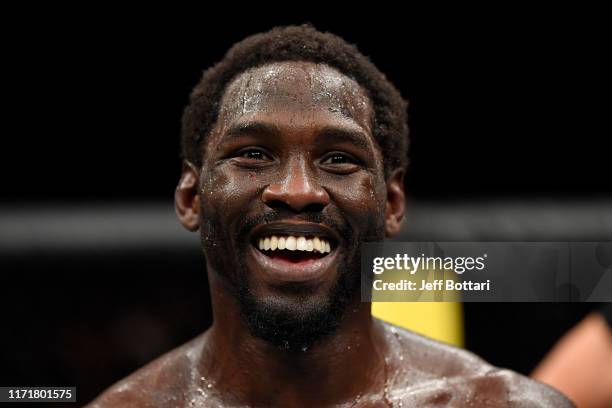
x: 299, y: 89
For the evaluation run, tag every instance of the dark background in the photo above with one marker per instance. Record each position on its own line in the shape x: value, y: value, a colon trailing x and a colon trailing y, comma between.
x: 505, y: 107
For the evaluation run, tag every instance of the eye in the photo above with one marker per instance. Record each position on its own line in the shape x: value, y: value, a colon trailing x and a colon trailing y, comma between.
x: 339, y: 158
x: 253, y: 154
x: 251, y: 157
x: 340, y: 163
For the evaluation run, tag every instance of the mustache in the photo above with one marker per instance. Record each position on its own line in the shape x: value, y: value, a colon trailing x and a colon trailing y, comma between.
x: 250, y: 222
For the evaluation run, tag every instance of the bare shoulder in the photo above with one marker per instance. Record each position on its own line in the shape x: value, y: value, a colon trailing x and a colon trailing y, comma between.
x: 161, y: 383
x: 511, y: 389
x: 448, y: 375
x: 429, y: 358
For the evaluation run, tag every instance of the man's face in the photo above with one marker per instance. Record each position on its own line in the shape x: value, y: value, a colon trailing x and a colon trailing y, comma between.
x: 292, y: 163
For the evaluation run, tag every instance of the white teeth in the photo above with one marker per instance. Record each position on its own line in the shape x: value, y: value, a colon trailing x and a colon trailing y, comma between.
x: 316, y: 243
x: 273, y: 242
x: 294, y: 243
x: 291, y: 243
x: 301, y: 244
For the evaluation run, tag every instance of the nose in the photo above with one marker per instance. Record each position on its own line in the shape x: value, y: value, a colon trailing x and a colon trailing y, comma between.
x: 298, y: 190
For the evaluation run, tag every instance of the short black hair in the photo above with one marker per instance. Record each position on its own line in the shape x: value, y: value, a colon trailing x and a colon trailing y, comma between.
x: 298, y: 43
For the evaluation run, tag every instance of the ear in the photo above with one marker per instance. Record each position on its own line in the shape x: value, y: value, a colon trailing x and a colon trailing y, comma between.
x: 186, y: 197
x: 396, y: 203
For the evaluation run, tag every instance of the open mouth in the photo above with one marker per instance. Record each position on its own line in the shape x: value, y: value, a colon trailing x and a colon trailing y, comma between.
x: 294, y: 248
x: 294, y: 251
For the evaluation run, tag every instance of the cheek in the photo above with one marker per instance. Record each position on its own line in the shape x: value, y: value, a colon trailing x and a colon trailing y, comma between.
x: 362, y: 198
x: 227, y: 193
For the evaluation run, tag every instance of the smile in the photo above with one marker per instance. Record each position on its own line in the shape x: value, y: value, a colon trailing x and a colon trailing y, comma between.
x: 291, y: 252
x: 293, y: 243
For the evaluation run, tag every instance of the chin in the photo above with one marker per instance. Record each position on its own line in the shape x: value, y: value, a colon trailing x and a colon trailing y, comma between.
x: 295, y: 316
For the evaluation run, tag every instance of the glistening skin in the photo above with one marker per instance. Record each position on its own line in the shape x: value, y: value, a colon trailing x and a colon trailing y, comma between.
x: 292, y: 155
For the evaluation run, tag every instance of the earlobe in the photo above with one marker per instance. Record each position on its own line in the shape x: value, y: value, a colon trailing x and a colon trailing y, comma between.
x: 396, y: 203
x: 186, y: 197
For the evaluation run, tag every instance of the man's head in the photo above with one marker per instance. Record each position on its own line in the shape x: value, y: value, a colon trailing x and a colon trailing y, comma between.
x: 295, y: 147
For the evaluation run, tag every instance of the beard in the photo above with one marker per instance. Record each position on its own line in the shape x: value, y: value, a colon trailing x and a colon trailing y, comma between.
x: 292, y: 323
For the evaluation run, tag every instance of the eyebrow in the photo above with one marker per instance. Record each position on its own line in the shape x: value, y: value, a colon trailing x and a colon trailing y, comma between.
x: 252, y: 128
x: 352, y: 136
x: 356, y: 137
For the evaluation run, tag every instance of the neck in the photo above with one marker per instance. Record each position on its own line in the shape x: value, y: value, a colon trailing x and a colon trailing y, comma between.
x: 340, y: 366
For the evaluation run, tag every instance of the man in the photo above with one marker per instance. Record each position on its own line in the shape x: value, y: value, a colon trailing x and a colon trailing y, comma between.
x: 295, y: 148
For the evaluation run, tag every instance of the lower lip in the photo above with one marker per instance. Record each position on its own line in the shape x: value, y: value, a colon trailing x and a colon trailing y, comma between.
x: 281, y: 270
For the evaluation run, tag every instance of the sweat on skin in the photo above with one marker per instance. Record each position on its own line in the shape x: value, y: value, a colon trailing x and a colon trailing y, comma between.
x: 292, y: 155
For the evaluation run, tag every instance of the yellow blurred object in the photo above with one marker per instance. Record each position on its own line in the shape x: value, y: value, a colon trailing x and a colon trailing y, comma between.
x: 439, y: 320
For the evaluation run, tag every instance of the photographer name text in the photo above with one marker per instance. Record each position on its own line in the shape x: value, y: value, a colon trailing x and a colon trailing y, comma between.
x: 436, y: 285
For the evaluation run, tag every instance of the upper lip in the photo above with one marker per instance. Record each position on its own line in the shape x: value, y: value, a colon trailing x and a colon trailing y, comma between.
x: 296, y: 229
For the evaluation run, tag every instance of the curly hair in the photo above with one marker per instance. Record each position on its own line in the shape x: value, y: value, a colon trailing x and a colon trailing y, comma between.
x: 298, y: 43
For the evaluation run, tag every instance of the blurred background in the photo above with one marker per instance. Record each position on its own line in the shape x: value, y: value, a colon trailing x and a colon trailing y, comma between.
x: 98, y: 278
